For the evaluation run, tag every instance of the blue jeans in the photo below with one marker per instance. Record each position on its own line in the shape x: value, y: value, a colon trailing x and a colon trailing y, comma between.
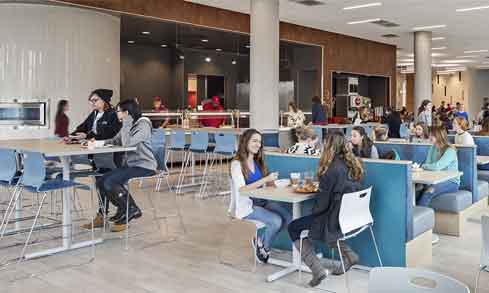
x: 483, y: 167
x: 272, y: 221
x: 436, y: 190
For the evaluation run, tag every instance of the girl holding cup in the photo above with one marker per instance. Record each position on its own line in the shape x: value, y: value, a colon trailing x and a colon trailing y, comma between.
x: 248, y: 173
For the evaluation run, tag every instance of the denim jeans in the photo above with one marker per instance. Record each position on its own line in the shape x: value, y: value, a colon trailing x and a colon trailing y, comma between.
x: 272, y: 221
x: 484, y: 167
x: 112, y: 183
x: 433, y: 191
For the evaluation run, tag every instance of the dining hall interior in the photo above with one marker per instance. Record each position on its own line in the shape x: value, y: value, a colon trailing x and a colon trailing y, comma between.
x: 237, y: 146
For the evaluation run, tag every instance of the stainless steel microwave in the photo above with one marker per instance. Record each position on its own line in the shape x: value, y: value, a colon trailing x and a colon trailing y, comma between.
x: 23, y: 111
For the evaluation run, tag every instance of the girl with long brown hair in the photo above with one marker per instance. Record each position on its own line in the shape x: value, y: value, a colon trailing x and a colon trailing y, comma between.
x: 248, y: 172
x: 362, y: 145
x: 441, y: 157
x: 339, y: 172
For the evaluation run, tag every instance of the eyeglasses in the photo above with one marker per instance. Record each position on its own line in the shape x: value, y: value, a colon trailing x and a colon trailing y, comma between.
x: 93, y: 101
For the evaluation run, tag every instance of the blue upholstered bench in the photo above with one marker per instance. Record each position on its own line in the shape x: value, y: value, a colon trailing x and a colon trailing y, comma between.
x: 483, y: 175
x: 483, y: 187
x: 453, y: 202
x: 423, y: 220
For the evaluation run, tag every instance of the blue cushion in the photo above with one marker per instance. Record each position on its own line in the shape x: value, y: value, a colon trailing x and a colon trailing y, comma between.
x: 453, y: 202
x: 483, y: 175
x: 483, y: 187
x: 423, y: 220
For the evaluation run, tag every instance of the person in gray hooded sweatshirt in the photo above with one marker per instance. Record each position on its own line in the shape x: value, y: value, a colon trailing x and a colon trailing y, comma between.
x: 135, y: 132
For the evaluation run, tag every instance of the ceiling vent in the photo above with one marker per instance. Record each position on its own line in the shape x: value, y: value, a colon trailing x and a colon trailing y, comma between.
x: 309, y: 2
x: 390, y: 36
x: 385, y: 23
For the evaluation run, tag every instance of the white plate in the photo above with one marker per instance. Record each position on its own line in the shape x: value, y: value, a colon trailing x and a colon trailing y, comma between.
x: 282, y: 183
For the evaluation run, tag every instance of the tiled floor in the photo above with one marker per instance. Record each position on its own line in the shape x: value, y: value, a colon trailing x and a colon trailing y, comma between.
x: 191, y: 263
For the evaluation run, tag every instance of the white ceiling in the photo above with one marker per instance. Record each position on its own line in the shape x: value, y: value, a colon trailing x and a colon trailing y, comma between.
x: 465, y: 31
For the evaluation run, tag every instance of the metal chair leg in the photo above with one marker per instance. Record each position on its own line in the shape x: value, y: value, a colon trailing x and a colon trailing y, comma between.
x: 376, y: 247
x: 478, y: 276
x: 300, y: 255
x: 341, y: 256
x: 32, y: 227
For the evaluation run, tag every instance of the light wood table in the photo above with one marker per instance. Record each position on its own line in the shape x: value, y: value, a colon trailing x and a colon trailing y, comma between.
x: 286, y: 195
x: 56, y: 148
x: 482, y: 160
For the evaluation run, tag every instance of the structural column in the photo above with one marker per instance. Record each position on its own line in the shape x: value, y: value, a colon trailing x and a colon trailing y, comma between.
x: 264, y: 64
x: 422, y: 67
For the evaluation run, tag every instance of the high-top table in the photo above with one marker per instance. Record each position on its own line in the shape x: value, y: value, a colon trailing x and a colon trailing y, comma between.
x: 56, y: 148
x: 286, y: 195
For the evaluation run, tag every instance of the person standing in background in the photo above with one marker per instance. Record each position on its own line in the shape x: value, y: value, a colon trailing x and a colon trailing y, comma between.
x: 296, y: 117
x: 61, y: 120
x: 158, y: 106
x: 319, y: 116
x: 425, y: 114
x: 212, y: 105
x: 461, y: 112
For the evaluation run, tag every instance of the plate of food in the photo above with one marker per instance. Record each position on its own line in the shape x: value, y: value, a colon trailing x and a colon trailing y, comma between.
x: 282, y: 183
x: 311, y: 188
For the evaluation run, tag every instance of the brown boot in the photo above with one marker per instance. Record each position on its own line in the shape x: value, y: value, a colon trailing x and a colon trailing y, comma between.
x: 98, y: 222
x: 312, y: 262
x: 118, y: 227
x: 350, y: 259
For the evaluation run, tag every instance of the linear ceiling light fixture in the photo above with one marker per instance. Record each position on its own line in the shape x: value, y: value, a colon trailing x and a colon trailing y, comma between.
x: 420, y: 28
x: 467, y: 56
x: 363, y: 6
x: 437, y: 38
x: 364, y: 21
x: 439, y: 48
x: 476, y: 51
x: 472, y: 8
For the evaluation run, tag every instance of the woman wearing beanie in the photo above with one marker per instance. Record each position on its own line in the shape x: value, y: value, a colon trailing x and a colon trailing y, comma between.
x: 102, y: 123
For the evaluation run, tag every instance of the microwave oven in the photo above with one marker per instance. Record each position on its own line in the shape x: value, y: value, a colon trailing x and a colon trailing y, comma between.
x: 29, y: 112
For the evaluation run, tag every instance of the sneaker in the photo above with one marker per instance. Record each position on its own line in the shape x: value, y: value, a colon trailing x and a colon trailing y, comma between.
x: 260, y: 252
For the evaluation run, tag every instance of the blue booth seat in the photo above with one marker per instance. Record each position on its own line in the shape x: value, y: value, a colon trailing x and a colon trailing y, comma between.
x: 483, y: 175
x: 423, y: 220
x: 453, y: 202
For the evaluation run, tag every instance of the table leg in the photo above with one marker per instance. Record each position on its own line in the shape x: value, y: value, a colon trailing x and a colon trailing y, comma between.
x: 290, y: 267
x: 67, y: 237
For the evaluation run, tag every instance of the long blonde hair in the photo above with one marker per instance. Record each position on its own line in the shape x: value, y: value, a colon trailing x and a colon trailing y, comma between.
x: 335, y: 145
x: 242, y: 154
x: 440, y: 133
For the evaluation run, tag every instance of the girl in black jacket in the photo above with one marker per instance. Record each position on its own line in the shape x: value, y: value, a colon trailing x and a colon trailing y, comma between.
x: 102, y: 123
x: 339, y: 172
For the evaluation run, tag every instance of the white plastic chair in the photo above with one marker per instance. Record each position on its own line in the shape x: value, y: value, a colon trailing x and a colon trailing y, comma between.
x: 485, y: 249
x: 404, y: 280
x: 354, y: 217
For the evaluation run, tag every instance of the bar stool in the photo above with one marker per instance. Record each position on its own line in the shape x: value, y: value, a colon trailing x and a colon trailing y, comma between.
x: 225, y: 147
x: 199, y: 146
x: 177, y: 144
x: 8, y: 179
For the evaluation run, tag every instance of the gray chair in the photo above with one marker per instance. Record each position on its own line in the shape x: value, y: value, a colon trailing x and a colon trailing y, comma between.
x: 404, y: 280
x: 485, y: 250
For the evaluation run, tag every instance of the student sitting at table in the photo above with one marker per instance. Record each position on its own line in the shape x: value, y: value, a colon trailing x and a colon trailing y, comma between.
x: 135, y: 132
x: 484, y: 132
x: 462, y: 136
x: 381, y: 134
x: 339, y: 172
x: 441, y: 157
x: 362, y: 145
x: 308, y: 140
x: 420, y: 133
x: 248, y: 172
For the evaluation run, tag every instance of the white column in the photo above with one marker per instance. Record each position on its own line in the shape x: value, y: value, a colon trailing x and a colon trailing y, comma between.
x: 264, y: 64
x: 422, y: 64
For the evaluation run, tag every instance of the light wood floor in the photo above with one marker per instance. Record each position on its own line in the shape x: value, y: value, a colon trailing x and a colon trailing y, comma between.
x: 191, y: 263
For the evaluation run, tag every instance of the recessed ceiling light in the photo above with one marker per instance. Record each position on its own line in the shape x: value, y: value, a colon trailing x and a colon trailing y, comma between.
x: 437, y: 38
x: 234, y: 62
x: 146, y: 33
x: 164, y: 45
x: 467, y: 56
x: 420, y: 28
x: 205, y: 40
x: 218, y: 50
x: 248, y: 46
x: 364, y: 21
x: 208, y: 59
x: 472, y: 8
x: 181, y: 57
x: 131, y: 42
x: 445, y: 65
x: 363, y: 6
x: 439, y: 48
x: 476, y: 51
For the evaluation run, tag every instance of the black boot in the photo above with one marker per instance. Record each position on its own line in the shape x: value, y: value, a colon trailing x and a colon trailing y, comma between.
x: 312, y: 262
x: 350, y: 258
x: 134, y: 211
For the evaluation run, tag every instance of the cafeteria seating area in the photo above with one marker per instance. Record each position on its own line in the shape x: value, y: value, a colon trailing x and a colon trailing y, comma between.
x: 244, y: 146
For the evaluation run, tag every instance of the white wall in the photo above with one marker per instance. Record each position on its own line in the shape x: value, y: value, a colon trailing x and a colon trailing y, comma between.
x: 479, y: 88
x: 57, y: 52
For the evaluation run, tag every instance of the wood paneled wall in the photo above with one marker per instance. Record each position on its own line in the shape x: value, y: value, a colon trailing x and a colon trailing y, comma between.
x: 341, y: 53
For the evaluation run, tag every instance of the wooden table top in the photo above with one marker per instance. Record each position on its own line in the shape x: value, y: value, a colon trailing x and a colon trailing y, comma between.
x: 57, y: 148
x: 208, y: 129
x: 434, y: 177
x: 286, y: 194
x: 482, y: 160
